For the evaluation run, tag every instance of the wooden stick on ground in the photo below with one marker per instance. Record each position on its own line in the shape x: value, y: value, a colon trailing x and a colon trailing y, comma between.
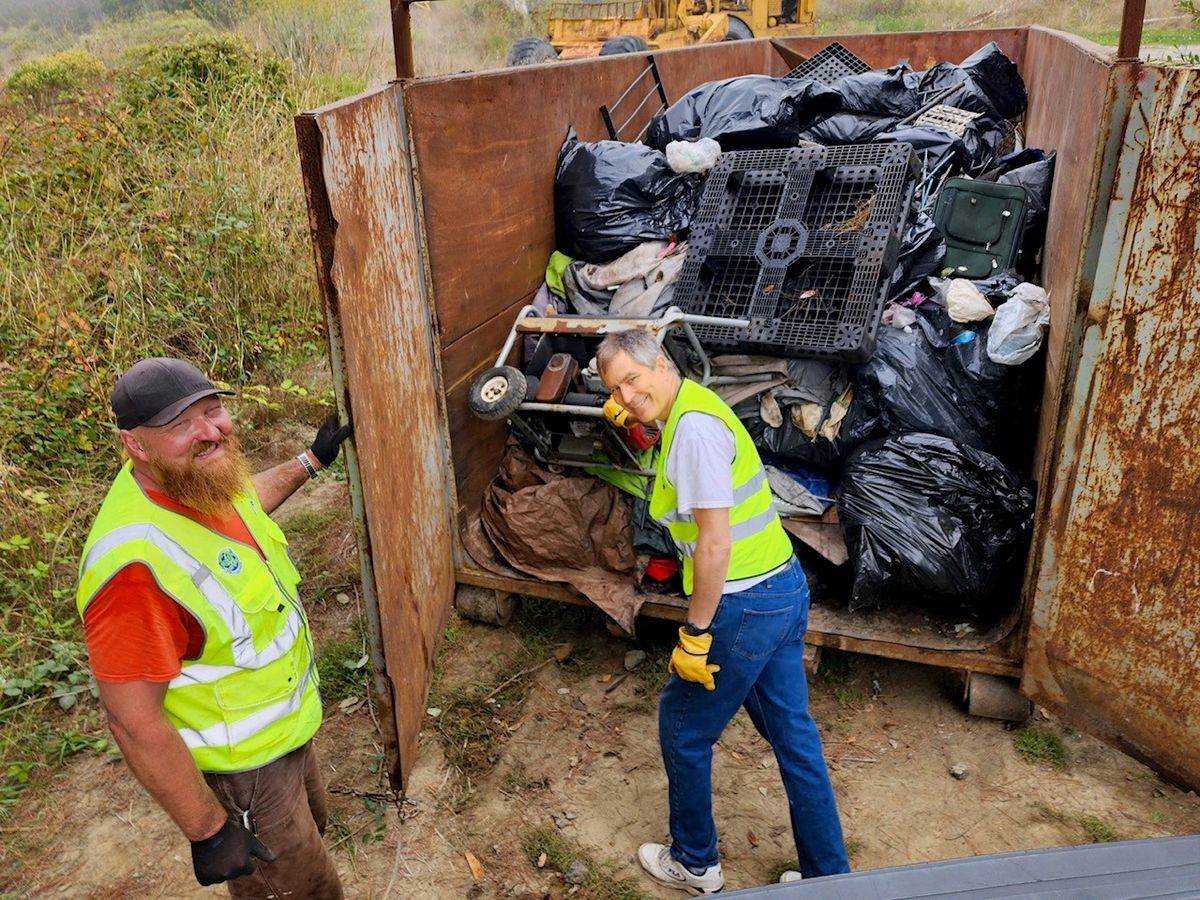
x: 527, y: 671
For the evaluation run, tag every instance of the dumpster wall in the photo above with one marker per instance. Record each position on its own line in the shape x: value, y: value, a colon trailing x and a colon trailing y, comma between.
x: 1113, y: 642
x: 362, y: 209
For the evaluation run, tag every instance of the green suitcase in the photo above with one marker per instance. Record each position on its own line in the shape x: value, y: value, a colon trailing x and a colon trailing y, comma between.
x: 982, y: 222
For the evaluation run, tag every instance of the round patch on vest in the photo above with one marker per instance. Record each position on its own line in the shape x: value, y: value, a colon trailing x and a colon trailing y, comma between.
x: 229, y: 562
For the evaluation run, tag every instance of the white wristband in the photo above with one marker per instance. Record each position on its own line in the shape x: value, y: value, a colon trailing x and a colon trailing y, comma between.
x: 307, y: 463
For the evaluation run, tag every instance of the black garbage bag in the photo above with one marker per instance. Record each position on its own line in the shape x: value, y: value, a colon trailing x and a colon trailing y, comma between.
x: 905, y: 382
x: 997, y: 78
x: 610, y: 197
x: 928, y: 520
x: 650, y: 536
x: 789, y: 444
x: 986, y: 82
x: 1001, y: 402
x: 1037, y: 178
x: 847, y: 128
x: 985, y: 139
x: 745, y: 113
x: 890, y: 92
x: 939, y: 149
x: 922, y: 253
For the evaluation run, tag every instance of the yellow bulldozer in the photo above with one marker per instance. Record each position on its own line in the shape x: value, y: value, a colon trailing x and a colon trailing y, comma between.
x: 578, y: 28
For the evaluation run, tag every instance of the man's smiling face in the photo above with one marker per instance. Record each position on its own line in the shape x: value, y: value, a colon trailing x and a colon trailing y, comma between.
x: 646, y: 391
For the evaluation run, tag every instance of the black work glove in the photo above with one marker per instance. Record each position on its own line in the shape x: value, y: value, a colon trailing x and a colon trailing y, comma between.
x: 227, y: 854
x: 328, y: 442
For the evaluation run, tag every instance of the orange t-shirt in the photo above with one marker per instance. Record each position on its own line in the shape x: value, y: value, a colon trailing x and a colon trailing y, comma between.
x: 134, y: 630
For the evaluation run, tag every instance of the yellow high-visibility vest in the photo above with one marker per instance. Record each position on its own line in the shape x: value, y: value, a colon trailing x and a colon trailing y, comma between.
x: 251, y: 696
x: 759, y: 542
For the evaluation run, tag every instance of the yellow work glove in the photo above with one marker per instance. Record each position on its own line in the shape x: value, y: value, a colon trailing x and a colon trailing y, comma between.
x: 689, y: 659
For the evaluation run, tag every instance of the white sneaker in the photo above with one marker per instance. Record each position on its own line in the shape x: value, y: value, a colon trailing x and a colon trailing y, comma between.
x: 660, y: 865
x: 790, y: 875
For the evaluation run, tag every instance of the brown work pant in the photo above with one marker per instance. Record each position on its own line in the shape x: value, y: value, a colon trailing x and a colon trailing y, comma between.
x: 286, y: 801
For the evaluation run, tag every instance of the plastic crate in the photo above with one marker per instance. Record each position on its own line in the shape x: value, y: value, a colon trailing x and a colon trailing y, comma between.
x: 829, y: 64
x: 803, y: 243
x: 947, y: 118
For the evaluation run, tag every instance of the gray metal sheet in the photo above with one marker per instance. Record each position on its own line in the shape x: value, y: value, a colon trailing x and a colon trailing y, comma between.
x: 1166, y: 867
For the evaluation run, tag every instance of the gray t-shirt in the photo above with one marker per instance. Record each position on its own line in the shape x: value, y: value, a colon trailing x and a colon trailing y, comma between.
x: 700, y: 466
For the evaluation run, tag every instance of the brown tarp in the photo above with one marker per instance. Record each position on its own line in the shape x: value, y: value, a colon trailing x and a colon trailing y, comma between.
x: 572, y: 529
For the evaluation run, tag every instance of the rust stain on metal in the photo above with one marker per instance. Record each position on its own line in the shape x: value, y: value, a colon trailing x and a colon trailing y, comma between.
x: 1114, y: 639
x: 563, y: 325
x: 377, y: 275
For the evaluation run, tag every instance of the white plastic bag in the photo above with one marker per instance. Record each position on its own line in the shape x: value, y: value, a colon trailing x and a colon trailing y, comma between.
x: 693, y: 156
x: 966, y: 303
x: 1017, y: 332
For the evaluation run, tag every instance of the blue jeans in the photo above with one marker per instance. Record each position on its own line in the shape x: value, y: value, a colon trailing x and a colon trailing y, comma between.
x: 758, y: 641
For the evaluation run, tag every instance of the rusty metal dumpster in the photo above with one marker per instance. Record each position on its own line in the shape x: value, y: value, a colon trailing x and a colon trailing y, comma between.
x: 430, y: 205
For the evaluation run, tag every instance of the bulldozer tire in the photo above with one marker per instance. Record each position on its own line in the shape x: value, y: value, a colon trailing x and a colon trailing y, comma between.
x: 529, y: 51
x: 738, y: 30
x: 623, y: 43
x: 497, y: 393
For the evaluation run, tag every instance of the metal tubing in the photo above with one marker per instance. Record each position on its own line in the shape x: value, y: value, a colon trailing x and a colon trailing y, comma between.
x: 570, y: 409
x: 526, y: 312
x: 1130, y: 43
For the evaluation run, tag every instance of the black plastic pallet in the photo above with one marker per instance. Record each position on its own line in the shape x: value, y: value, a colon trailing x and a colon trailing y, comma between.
x: 803, y: 243
x: 829, y: 64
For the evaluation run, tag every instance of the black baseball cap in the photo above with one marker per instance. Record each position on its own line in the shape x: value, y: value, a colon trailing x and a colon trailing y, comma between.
x: 154, y: 391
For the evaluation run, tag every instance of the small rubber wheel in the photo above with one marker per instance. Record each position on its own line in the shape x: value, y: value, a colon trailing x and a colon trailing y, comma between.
x: 529, y: 51
x: 623, y: 43
x: 497, y: 393
x: 738, y: 30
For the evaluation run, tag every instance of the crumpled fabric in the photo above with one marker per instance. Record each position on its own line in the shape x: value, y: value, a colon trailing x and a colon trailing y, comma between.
x: 638, y: 285
x: 582, y: 299
x: 791, y: 381
x: 571, y: 529
x: 773, y: 369
x: 790, y: 497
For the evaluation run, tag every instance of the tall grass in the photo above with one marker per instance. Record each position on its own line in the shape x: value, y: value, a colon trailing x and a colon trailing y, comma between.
x: 159, y: 212
x: 1078, y: 16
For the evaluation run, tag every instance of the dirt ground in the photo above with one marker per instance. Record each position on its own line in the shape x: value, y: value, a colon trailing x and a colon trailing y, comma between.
x: 524, y: 753
x: 577, y: 769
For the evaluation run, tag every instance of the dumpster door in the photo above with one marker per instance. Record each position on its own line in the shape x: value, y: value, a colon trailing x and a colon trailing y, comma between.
x: 366, y: 230
x: 1113, y: 640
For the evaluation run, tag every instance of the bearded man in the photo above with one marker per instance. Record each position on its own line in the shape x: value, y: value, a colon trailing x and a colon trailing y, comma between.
x: 198, y: 640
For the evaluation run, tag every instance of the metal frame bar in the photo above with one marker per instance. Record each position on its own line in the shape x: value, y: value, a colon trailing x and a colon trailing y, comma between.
x: 606, y: 112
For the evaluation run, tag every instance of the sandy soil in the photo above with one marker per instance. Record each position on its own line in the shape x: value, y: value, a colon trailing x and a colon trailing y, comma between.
x: 583, y: 761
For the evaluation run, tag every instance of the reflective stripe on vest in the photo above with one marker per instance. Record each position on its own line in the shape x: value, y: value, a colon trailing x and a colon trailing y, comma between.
x: 251, y: 696
x: 758, y: 542
x: 220, y: 735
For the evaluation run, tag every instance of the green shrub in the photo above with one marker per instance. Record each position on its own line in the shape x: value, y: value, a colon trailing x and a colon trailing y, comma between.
x: 204, y: 71
x: 124, y: 41
x: 43, y: 81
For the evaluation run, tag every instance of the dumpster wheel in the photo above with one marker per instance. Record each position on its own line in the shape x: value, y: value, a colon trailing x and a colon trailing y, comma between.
x: 993, y: 697
x: 497, y: 393
x: 486, y: 605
